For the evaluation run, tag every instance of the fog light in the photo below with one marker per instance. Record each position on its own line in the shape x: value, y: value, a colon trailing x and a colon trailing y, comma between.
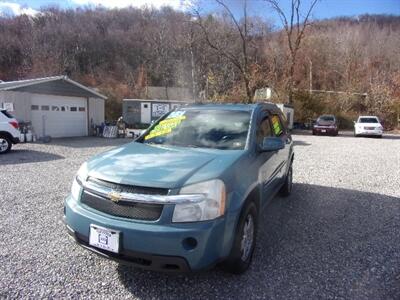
x: 189, y: 243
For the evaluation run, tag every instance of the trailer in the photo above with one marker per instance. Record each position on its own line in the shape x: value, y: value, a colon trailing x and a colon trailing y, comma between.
x: 288, y: 111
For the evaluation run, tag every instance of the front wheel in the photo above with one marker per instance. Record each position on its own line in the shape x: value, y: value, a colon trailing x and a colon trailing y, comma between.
x: 244, y: 243
x: 5, y: 144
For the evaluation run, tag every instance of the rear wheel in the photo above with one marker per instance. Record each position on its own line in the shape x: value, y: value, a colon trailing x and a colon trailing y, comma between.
x: 244, y: 243
x: 5, y: 144
x: 286, y: 189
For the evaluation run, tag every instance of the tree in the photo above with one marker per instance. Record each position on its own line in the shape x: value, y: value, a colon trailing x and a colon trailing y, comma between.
x: 294, y: 25
x: 240, y: 59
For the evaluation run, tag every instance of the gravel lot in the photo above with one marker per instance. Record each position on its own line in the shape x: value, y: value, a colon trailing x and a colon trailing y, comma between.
x: 337, y: 236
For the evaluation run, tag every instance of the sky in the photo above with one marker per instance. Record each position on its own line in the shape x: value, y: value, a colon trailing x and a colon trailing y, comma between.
x: 324, y: 9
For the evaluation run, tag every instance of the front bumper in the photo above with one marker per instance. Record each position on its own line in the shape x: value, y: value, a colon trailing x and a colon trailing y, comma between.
x: 151, y: 245
x: 369, y: 132
x: 15, y: 140
x: 133, y: 258
x: 325, y: 130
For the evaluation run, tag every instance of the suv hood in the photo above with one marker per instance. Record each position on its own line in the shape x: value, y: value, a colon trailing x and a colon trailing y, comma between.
x: 160, y: 166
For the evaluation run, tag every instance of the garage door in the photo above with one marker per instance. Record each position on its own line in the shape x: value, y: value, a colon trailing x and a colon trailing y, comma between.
x: 59, y: 116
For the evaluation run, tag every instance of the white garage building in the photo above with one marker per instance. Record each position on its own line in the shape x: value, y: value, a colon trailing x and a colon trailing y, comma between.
x: 55, y: 106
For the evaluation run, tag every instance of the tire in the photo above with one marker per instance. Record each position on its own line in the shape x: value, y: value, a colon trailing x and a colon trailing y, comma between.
x: 286, y: 189
x: 5, y: 144
x: 244, y: 242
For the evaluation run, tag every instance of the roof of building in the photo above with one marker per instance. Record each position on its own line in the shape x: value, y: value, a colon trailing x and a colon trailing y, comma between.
x: 61, y: 85
x: 159, y: 100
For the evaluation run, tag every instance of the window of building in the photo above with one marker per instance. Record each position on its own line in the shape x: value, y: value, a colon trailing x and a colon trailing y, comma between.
x: 55, y: 108
x: 73, y: 108
x: 45, y: 107
x: 62, y: 108
x: 34, y: 107
x: 82, y: 108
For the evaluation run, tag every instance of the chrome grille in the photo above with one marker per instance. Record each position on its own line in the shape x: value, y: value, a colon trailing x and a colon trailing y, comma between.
x: 124, y: 209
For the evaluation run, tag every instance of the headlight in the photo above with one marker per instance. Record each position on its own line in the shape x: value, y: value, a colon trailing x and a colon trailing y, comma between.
x: 76, y: 184
x: 82, y: 172
x: 210, y: 208
x: 75, y: 189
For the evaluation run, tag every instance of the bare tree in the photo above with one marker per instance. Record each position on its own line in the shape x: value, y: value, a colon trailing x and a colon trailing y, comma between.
x: 239, y: 59
x: 294, y: 25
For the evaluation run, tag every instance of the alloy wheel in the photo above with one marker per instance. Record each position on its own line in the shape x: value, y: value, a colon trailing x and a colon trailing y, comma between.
x: 3, y: 145
x: 247, y: 238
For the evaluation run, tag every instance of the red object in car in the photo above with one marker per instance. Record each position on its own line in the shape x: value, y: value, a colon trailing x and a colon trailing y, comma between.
x: 14, y: 124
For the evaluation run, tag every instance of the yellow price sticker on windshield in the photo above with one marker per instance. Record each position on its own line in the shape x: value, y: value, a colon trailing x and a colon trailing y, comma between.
x: 165, y: 127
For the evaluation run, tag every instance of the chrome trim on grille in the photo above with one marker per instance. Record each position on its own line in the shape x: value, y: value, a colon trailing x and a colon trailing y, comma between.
x: 142, y: 198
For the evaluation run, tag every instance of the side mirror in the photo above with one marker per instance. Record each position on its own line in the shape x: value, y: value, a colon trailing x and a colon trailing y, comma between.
x: 272, y: 144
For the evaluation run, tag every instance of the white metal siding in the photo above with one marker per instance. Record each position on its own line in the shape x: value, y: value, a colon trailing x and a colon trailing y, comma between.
x: 22, y: 104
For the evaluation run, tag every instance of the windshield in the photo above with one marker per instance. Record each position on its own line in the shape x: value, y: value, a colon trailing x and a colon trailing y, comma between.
x: 219, y: 129
x: 7, y: 114
x: 326, y: 118
x: 368, y: 120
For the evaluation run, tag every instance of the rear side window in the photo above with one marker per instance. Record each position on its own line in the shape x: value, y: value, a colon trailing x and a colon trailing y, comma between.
x: 277, y: 126
x: 7, y: 114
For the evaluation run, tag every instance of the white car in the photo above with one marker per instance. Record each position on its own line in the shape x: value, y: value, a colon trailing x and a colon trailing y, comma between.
x: 9, y: 131
x: 368, y: 126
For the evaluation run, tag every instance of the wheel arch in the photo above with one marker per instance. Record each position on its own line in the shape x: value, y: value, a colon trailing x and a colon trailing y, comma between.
x: 7, y: 135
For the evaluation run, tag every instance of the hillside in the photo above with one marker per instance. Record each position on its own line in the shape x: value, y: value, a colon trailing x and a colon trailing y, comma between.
x: 121, y: 51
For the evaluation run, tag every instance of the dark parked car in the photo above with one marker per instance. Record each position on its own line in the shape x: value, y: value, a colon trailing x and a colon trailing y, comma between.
x: 327, y: 125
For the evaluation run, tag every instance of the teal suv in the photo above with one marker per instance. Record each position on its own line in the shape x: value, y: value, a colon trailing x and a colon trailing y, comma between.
x: 188, y: 193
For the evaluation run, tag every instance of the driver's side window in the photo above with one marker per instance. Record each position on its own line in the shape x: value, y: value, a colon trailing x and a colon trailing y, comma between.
x: 264, y: 130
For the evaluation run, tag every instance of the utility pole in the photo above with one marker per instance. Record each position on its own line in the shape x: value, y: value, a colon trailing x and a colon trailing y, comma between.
x: 193, y: 65
x: 310, y: 76
x: 193, y: 74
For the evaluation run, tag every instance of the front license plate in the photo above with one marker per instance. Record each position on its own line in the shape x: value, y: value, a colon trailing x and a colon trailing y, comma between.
x: 104, y: 238
x: 323, y: 130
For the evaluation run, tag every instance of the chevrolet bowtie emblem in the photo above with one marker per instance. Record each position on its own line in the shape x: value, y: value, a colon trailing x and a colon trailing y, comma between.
x: 115, y: 196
